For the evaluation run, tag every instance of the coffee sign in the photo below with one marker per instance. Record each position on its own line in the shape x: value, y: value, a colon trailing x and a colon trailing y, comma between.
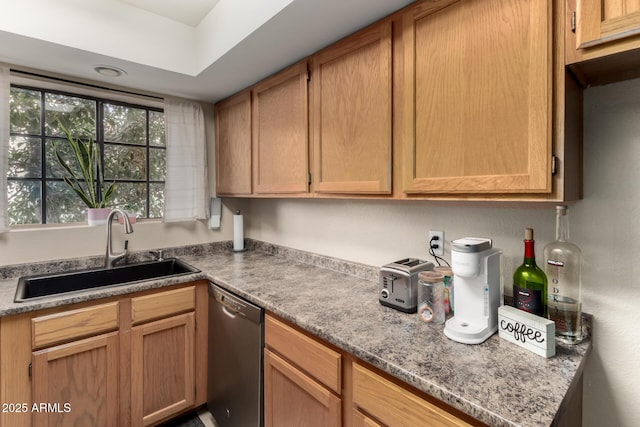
x: 527, y: 330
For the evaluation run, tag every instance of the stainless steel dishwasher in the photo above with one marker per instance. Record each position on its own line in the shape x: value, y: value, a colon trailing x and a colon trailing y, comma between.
x: 236, y: 341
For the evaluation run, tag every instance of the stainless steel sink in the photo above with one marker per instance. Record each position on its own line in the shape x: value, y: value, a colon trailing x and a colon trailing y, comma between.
x: 42, y: 285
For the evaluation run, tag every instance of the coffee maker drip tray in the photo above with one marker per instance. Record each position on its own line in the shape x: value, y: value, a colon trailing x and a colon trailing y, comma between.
x: 465, y: 332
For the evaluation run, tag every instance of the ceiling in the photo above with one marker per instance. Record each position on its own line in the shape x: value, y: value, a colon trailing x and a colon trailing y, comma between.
x: 196, y: 49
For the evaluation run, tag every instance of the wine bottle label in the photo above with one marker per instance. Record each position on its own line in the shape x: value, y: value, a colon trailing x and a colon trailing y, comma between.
x: 528, y: 300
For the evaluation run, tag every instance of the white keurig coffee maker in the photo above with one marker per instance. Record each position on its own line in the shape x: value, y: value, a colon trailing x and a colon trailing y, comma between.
x: 477, y: 276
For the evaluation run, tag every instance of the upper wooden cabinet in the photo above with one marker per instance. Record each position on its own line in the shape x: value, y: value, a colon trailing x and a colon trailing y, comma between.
x: 603, y: 21
x: 445, y: 99
x: 233, y: 145
x: 280, y: 133
x: 603, y: 40
x: 351, y: 114
x: 478, y: 97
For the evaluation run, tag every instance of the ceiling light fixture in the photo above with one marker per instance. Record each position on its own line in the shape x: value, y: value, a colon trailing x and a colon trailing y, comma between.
x: 109, y: 71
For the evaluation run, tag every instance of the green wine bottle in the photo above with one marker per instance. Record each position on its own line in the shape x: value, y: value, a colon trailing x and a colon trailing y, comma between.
x: 529, y: 281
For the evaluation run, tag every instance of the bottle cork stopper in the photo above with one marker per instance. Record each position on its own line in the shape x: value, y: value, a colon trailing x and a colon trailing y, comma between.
x: 528, y: 234
x: 430, y: 277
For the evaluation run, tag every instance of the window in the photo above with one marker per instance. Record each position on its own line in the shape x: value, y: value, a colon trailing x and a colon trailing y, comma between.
x: 131, y: 138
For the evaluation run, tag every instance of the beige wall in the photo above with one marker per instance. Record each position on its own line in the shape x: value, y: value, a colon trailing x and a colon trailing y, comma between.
x: 606, y: 225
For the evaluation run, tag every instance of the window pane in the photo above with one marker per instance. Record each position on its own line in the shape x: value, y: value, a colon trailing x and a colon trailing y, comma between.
x: 124, y: 124
x: 156, y: 128
x: 54, y: 170
x: 78, y: 115
x: 63, y: 205
x: 24, y: 157
x: 122, y: 162
x: 24, y: 202
x: 156, y: 200
x: 25, y: 111
x: 132, y: 197
x: 157, y: 164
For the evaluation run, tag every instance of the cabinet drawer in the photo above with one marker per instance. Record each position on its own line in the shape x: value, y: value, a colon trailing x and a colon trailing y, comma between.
x: 309, y: 355
x: 60, y: 327
x: 394, y: 405
x: 163, y: 304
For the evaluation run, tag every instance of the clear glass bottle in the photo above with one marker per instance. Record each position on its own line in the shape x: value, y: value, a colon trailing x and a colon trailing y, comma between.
x: 563, y: 266
x: 529, y: 281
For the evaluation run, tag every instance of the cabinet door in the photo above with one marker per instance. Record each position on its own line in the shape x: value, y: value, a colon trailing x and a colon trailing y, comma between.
x: 162, y: 368
x: 361, y: 420
x: 293, y: 399
x: 280, y: 132
x: 233, y: 145
x: 601, y: 21
x: 76, y: 384
x: 477, y: 92
x: 351, y: 110
x: 396, y: 406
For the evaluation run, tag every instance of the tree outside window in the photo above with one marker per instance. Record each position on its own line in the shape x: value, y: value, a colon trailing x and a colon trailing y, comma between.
x: 131, y: 137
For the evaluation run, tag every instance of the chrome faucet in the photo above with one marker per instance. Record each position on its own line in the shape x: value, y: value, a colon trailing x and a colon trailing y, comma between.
x: 110, y: 258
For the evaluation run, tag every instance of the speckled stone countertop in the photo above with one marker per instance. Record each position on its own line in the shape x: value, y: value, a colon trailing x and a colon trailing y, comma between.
x: 495, y: 382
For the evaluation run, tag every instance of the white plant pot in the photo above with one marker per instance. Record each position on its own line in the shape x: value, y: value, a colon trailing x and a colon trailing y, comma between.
x: 97, y: 216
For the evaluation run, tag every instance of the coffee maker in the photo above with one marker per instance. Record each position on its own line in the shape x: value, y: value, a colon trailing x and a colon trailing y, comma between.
x: 477, y: 278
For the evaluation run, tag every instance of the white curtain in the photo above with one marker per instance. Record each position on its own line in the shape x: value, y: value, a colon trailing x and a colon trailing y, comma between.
x: 186, y: 193
x: 4, y: 147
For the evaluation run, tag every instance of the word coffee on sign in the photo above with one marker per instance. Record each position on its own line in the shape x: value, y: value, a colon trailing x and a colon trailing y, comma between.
x: 527, y: 330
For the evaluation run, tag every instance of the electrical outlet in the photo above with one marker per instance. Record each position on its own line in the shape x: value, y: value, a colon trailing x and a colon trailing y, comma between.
x: 436, y: 241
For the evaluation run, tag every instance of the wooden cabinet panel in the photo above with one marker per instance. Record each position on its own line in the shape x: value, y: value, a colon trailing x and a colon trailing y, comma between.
x: 293, y: 399
x: 81, y: 380
x: 164, y: 304
x: 361, y: 420
x: 394, y: 405
x: 60, y: 327
x: 603, y: 21
x: 233, y: 145
x: 280, y: 132
x: 351, y: 114
x: 311, y: 356
x: 162, y: 369
x: 478, y: 97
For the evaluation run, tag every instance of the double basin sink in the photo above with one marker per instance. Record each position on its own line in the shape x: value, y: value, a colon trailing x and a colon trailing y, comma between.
x: 53, y: 284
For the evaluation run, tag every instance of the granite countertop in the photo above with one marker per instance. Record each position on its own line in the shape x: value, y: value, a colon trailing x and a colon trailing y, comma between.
x: 495, y: 382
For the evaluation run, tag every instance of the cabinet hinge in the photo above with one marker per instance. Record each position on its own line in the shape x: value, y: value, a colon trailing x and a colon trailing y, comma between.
x: 554, y: 164
x: 30, y: 369
x: 308, y: 75
x: 573, y: 21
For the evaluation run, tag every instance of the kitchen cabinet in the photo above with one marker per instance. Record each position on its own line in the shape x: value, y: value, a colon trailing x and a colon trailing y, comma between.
x: 308, y: 382
x: 302, y: 379
x: 598, y: 22
x: 280, y: 132
x: 603, y: 40
x: 478, y: 97
x: 352, y: 113
x: 162, y: 356
x: 132, y: 360
x: 394, y: 405
x: 233, y: 145
x: 77, y: 383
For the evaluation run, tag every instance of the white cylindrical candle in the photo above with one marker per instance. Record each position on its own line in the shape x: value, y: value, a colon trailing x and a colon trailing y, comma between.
x: 238, y: 232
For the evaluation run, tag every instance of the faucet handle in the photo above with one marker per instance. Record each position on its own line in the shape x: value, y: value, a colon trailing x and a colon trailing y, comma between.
x: 126, y: 245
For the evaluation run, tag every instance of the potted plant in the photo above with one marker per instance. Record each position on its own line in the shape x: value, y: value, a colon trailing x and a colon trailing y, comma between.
x: 85, y: 184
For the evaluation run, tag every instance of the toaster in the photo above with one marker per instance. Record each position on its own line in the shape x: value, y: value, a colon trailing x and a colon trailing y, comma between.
x: 399, y: 283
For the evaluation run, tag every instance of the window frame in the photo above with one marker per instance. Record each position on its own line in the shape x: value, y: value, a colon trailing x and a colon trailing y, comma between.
x: 99, y: 101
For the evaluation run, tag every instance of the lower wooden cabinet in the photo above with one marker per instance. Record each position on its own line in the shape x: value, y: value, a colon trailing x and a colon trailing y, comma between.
x: 394, y: 405
x: 162, y: 368
x: 302, y: 389
x: 293, y: 398
x: 129, y: 361
x: 76, y: 384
